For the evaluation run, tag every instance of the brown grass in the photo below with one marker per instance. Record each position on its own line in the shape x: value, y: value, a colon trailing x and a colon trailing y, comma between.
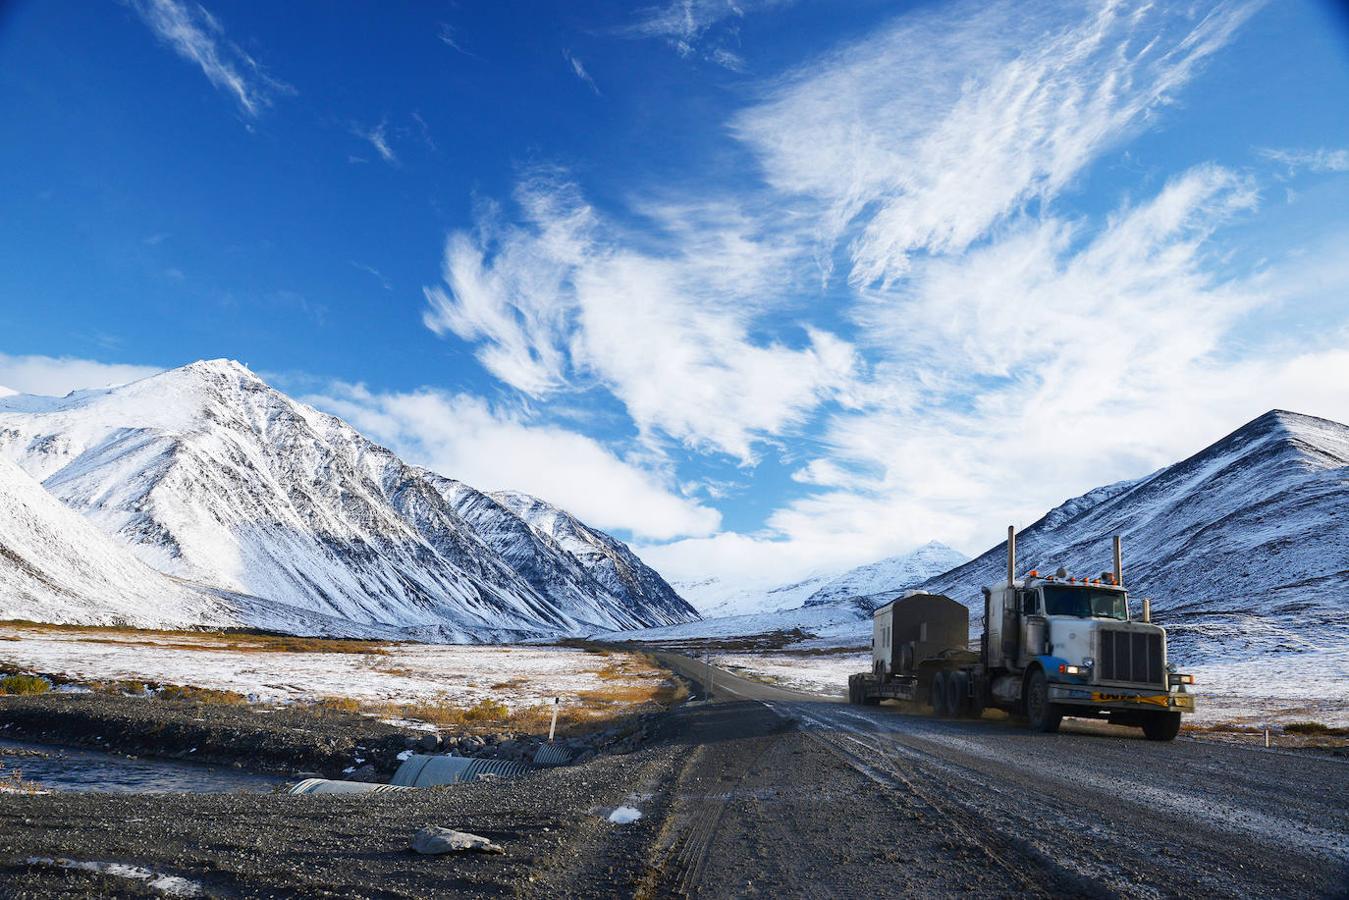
x: 24, y: 684
x: 339, y: 704
x: 211, y: 696
x: 185, y: 639
x: 1315, y: 729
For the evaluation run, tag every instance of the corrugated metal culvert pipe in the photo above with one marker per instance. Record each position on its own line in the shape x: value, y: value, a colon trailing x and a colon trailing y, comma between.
x: 421, y: 771
x: 329, y: 786
x: 429, y: 771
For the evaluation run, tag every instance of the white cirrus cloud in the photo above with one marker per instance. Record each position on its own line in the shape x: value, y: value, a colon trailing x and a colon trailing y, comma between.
x: 698, y: 27
x: 1043, y: 364
x: 198, y: 37
x: 567, y: 299
x: 924, y: 136
x: 579, y: 69
x: 378, y: 137
x: 465, y: 438
x: 56, y: 376
x: 1319, y: 159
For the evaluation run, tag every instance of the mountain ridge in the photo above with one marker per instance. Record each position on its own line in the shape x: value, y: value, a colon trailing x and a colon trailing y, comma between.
x: 209, y: 474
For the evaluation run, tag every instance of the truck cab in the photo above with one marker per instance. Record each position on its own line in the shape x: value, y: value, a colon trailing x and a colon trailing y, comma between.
x: 1060, y: 645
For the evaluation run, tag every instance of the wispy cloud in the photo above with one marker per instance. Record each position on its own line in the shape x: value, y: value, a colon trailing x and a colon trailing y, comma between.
x: 197, y: 36
x: 56, y: 376
x: 701, y: 28
x: 580, y: 70
x: 1318, y: 160
x: 565, y: 301
x: 449, y: 36
x: 925, y: 136
x: 378, y: 138
x: 376, y: 273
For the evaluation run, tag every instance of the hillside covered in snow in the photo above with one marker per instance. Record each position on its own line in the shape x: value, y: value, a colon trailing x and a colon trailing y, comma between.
x: 1243, y: 547
x: 208, y: 474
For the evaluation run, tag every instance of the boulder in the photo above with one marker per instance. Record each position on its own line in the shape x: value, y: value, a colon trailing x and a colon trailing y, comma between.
x: 432, y: 840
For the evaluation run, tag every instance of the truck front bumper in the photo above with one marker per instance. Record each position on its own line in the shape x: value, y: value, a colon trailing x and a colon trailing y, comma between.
x: 1120, y: 698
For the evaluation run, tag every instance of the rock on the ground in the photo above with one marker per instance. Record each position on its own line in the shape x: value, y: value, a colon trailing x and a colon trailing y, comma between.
x: 432, y: 840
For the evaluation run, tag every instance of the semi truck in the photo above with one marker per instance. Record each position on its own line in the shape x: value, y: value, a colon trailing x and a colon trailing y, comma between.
x: 1053, y: 645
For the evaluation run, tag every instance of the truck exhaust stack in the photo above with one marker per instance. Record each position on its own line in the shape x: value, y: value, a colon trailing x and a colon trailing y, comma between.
x: 1119, y: 563
x: 1011, y: 554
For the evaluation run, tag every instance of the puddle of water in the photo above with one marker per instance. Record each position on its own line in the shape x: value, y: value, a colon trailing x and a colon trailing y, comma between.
x: 65, y: 769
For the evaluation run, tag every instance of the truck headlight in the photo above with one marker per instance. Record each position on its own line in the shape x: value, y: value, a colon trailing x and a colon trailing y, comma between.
x: 1072, y: 670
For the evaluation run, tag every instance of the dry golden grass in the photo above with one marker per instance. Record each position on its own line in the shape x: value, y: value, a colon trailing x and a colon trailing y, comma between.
x: 24, y: 684
x: 186, y: 692
x: 239, y: 641
x: 339, y: 704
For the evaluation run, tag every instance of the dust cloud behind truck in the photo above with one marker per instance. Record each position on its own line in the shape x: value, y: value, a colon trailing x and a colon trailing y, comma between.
x: 1052, y: 646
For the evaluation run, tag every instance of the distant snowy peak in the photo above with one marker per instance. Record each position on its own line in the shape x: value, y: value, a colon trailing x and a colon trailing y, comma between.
x: 873, y: 582
x: 888, y: 578
x: 608, y: 560
x: 7, y: 392
x: 211, y: 475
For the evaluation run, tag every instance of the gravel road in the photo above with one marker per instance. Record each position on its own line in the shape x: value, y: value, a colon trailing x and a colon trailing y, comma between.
x: 759, y: 792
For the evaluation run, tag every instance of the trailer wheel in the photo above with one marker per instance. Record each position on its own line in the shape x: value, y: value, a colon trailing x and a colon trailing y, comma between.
x: 938, y: 696
x: 1162, y: 726
x: 957, y: 694
x: 1044, y: 716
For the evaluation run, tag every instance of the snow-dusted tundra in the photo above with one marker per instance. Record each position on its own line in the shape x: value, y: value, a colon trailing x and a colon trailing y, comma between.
x: 519, y: 677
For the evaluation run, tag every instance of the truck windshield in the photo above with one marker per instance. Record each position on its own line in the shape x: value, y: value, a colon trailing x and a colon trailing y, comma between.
x: 1085, y: 603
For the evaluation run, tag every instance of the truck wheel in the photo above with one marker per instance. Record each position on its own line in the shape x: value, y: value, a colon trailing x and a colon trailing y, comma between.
x: 1043, y: 715
x: 938, y: 693
x: 957, y: 694
x: 1161, y: 726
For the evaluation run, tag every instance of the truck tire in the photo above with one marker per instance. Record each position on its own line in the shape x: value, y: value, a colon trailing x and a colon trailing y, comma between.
x: 1162, y: 726
x: 957, y: 694
x: 1044, y: 716
x: 938, y: 692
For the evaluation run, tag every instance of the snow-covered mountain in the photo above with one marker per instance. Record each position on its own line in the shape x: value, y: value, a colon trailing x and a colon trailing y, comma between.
x: 878, y: 581
x: 607, y: 560
x: 1243, y: 547
x: 886, y: 579
x: 57, y: 567
x: 210, y: 475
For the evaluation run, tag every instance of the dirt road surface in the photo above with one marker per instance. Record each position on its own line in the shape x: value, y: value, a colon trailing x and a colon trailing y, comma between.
x: 758, y: 792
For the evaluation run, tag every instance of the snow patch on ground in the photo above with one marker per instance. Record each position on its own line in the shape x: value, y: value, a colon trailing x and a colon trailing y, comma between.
x: 463, y: 675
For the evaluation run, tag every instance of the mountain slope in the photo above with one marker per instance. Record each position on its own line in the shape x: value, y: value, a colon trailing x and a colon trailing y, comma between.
x: 882, y: 579
x: 1246, y: 541
x: 55, y: 566
x: 608, y: 561
x: 211, y: 475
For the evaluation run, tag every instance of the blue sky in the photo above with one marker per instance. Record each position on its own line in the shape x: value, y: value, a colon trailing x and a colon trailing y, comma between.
x: 766, y: 287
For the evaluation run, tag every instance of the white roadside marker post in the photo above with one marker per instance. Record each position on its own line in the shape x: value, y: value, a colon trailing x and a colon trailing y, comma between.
x: 552, y: 727
x: 1266, y: 738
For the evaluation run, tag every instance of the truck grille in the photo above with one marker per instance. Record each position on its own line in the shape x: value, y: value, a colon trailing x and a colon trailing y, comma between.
x: 1132, y: 656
